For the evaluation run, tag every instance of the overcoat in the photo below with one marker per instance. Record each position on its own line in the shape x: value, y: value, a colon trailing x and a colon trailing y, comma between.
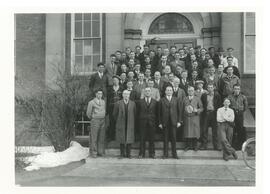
x: 125, y: 133
x: 192, y: 120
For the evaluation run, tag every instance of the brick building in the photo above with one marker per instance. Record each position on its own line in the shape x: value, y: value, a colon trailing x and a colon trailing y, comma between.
x: 85, y: 39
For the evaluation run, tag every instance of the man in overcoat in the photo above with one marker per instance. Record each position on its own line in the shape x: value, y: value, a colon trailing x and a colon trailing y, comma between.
x: 192, y: 107
x: 125, y: 116
x: 148, y: 114
x: 169, y: 120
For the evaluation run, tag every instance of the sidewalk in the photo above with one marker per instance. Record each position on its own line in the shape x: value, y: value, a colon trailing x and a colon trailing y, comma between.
x: 153, y: 172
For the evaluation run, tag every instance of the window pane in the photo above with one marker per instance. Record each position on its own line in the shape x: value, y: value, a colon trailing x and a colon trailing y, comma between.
x: 87, y: 16
x: 87, y: 29
x: 96, y: 46
x: 171, y: 23
x: 87, y: 47
x: 96, y: 16
x: 96, y: 60
x: 78, y: 64
x: 96, y: 29
x: 87, y: 64
x: 78, y: 47
x: 78, y: 29
x: 78, y: 16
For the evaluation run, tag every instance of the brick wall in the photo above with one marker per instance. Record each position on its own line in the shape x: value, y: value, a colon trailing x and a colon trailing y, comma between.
x: 30, y: 52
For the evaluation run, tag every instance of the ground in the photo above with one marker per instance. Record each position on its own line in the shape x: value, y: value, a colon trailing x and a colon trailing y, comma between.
x: 142, y: 172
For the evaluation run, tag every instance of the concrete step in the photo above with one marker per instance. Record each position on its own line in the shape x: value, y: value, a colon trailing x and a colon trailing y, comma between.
x: 190, y: 154
x: 158, y: 161
x: 113, y: 144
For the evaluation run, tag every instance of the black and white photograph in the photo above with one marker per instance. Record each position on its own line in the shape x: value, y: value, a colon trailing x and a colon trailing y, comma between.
x: 135, y: 99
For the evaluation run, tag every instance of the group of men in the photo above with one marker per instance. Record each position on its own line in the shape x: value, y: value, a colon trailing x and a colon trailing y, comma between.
x: 190, y: 89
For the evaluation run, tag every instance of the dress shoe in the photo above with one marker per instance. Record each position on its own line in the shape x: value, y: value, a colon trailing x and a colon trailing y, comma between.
x: 235, y: 155
x: 153, y: 157
x: 176, y: 157
x: 225, y: 157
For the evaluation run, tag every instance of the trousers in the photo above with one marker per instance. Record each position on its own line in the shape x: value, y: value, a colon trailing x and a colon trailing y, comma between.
x: 97, y: 137
x: 225, y: 131
x: 209, y: 120
x: 239, y: 136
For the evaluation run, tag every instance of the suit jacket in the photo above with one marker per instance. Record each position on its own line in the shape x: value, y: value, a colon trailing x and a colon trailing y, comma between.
x: 96, y: 82
x: 217, y: 102
x: 184, y: 86
x: 159, y: 86
x: 147, y: 112
x: 138, y: 89
x: 111, y: 71
x: 170, y: 111
x: 180, y: 94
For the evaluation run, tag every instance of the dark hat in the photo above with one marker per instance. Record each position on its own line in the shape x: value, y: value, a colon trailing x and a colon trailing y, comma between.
x: 99, y: 64
x: 116, y: 76
x: 199, y: 82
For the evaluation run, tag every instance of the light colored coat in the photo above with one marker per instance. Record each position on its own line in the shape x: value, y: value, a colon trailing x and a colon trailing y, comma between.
x: 192, y: 120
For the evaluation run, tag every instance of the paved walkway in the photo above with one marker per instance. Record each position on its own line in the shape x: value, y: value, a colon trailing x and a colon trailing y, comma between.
x: 149, y: 172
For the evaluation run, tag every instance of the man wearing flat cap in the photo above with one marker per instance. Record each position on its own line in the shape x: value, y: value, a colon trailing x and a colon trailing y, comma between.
x: 199, y: 88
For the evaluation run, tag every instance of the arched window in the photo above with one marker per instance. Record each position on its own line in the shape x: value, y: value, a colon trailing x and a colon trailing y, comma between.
x: 171, y: 23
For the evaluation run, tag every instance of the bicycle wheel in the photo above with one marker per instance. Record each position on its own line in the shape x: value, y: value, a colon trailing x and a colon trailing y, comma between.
x: 249, y: 153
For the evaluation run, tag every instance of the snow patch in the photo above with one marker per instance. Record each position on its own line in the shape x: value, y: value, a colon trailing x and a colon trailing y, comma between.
x: 52, y: 159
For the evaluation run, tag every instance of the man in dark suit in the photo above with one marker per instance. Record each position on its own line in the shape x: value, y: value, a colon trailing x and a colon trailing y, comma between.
x: 147, y: 112
x: 211, y: 102
x: 112, y: 68
x: 184, y: 81
x: 170, y: 120
x: 99, y: 80
x: 214, y: 56
x: 158, y: 82
x: 162, y: 64
x: 138, y: 55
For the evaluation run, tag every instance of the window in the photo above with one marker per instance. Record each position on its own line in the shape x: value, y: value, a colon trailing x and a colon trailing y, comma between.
x: 249, y: 43
x: 86, y: 43
x: 171, y: 23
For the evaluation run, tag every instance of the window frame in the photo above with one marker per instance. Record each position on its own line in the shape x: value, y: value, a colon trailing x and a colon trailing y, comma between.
x: 72, y: 44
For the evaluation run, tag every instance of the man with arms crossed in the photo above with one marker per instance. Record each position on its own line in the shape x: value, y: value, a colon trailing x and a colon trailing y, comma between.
x: 225, y: 119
